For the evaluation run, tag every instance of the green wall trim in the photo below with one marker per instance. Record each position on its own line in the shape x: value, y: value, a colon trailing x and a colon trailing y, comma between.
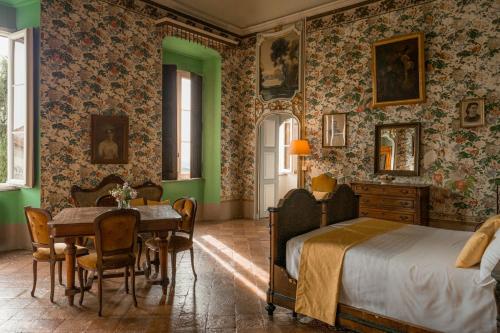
x: 206, y: 62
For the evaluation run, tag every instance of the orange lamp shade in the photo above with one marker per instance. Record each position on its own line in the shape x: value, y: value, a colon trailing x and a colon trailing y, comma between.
x: 300, y: 147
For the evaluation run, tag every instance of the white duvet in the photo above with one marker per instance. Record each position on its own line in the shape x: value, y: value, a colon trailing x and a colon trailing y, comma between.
x: 409, y: 274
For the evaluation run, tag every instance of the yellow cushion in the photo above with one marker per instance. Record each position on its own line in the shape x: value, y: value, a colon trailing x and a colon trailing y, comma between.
x: 43, y: 253
x: 320, y: 195
x: 156, y: 203
x: 137, y: 202
x: 492, y: 221
x: 474, y: 248
x: 323, y: 183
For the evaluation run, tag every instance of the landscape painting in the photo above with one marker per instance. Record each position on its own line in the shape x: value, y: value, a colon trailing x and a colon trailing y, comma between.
x: 279, y: 57
x: 398, y: 71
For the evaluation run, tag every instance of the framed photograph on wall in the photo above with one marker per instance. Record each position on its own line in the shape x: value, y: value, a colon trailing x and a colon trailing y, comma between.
x: 109, y: 139
x: 279, y: 64
x: 334, y: 130
x: 472, y: 112
x: 398, y: 70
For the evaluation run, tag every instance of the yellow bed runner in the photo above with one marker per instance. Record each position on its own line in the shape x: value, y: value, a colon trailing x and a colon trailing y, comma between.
x: 321, y: 266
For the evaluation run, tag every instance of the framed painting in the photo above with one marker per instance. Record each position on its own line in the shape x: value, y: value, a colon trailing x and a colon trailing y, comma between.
x: 334, y: 130
x: 398, y: 70
x: 472, y: 112
x: 109, y: 139
x: 279, y: 56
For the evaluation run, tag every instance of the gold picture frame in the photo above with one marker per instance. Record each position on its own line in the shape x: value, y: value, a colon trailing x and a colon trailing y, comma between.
x: 472, y: 112
x: 398, y: 70
x: 334, y: 130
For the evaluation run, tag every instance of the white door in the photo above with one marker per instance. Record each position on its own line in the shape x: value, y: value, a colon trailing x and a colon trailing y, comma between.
x: 268, y: 166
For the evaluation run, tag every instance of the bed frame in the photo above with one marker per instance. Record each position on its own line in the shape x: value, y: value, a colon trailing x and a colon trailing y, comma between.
x: 297, y: 213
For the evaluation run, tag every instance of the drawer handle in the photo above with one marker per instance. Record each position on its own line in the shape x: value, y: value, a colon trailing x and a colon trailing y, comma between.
x: 405, y: 203
x: 364, y: 213
x: 404, y: 191
x: 403, y: 217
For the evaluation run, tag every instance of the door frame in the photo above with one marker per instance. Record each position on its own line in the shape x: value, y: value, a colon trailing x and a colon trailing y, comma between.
x: 258, y: 123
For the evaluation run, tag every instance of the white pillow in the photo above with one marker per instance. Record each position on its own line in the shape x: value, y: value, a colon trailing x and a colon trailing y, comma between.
x: 490, y: 259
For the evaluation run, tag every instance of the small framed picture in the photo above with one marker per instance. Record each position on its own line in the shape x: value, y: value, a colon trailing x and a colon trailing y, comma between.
x: 472, y: 112
x: 334, y: 130
x: 109, y: 139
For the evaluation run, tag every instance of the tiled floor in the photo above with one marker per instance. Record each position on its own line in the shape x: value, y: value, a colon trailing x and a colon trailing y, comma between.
x: 232, y: 266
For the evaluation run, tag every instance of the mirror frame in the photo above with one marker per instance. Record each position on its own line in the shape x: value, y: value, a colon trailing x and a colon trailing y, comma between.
x: 416, y: 169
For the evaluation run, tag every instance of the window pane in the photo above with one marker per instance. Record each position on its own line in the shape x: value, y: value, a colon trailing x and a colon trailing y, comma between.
x: 18, y: 155
x: 19, y: 104
x: 19, y: 61
x: 186, y: 125
x: 185, y: 157
x: 186, y: 94
x: 4, y: 51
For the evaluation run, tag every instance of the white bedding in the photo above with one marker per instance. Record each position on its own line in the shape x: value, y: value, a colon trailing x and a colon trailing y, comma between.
x: 409, y: 274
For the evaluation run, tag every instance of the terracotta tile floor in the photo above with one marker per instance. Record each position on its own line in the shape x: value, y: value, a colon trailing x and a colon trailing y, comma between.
x: 229, y: 296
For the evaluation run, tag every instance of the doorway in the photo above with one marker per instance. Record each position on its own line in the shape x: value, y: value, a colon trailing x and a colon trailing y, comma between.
x: 277, y: 170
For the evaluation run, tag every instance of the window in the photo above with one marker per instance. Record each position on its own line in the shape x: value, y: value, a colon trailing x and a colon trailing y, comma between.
x: 181, y: 124
x: 184, y: 124
x: 16, y: 108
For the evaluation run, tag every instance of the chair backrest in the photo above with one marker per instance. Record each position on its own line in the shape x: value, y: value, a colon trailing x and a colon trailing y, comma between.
x: 37, y: 220
x: 116, y: 233
x: 187, y: 208
x: 323, y: 183
x: 81, y: 197
x: 106, y: 200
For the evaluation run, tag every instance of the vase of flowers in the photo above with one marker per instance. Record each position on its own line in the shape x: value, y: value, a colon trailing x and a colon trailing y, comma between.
x: 123, y: 195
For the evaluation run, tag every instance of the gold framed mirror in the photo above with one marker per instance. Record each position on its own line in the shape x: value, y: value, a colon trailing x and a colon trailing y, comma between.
x: 397, y: 149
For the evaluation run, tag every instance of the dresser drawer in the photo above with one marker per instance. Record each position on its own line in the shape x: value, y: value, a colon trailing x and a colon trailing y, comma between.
x: 387, y: 201
x: 386, y: 215
x: 385, y: 190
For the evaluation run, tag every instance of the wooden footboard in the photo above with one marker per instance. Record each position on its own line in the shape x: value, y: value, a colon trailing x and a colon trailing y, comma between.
x: 298, y: 213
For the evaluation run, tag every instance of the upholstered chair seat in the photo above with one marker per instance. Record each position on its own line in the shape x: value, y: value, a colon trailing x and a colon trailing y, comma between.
x: 44, y: 247
x: 186, y: 207
x: 43, y: 253
x: 116, y: 244
x: 89, y: 262
x: 176, y: 243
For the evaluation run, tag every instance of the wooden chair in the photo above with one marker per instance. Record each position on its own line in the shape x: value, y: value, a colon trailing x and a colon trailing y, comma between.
x: 116, y: 241
x: 44, y: 247
x: 187, y: 208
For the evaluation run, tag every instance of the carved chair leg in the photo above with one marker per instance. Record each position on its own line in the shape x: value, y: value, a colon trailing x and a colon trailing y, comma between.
x: 34, y: 277
x: 133, y: 286
x: 82, y: 284
x: 270, y: 308
x: 147, y: 268
x: 156, y: 261
x: 99, y: 291
x: 52, y: 278
x: 126, y: 280
x: 59, y: 272
x: 174, y: 266
x: 191, y: 251
x: 139, y: 252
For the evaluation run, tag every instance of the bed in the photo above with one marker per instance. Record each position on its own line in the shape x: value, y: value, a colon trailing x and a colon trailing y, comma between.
x: 402, y: 281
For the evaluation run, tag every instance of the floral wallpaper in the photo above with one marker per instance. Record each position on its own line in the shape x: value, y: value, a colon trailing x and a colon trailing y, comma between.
x: 102, y: 58
x: 96, y: 58
x: 462, y: 55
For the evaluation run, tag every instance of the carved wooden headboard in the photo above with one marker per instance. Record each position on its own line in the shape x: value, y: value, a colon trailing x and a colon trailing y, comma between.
x: 341, y: 205
x: 297, y: 213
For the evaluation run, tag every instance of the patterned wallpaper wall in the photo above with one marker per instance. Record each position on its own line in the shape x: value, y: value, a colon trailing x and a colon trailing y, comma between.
x: 462, y: 56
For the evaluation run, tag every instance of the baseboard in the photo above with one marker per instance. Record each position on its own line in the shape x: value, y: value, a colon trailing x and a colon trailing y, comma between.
x: 225, y: 210
x: 14, y: 236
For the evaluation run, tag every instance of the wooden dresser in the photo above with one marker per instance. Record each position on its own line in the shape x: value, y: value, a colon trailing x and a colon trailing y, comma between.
x: 404, y: 203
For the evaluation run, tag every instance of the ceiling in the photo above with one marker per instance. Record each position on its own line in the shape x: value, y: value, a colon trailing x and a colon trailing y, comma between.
x: 249, y: 16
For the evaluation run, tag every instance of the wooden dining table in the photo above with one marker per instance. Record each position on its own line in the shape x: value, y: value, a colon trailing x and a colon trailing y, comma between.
x: 74, y: 223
